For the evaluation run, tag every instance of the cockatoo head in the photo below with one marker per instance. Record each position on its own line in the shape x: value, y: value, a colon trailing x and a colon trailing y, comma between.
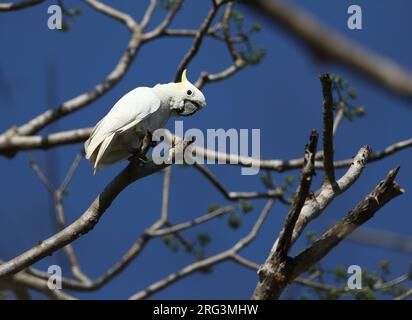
x: 187, y: 98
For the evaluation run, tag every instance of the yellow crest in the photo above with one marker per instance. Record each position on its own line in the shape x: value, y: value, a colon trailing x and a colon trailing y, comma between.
x: 184, y: 78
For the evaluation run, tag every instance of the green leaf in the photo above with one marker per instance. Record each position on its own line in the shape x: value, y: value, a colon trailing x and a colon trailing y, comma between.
x: 364, y: 294
x: 237, y: 16
x: 256, y: 27
x: 336, y: 79
x: 352, y: 93
x: 265, y: 179
x: 371, y: 279
x: 65, y: 27
x: 254, y: 57
x: 311, y: 236
x: 171, y: 242
x: 340, y: 273
x: 332, y: 294
x: 289, y: 180
x: 360, y: 111
x: 384, y: 266
x: 169, y: 4
x: 213, y: 207
x: 245, y: 206
x: 76, y: 11
x: 203, y: 238
x: 200, y: 254
x: 234, y: 221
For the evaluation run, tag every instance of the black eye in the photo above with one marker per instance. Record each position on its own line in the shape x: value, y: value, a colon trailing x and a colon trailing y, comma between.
x: 189, y: 92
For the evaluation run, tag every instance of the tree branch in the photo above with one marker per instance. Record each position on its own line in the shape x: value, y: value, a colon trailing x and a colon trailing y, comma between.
x: 200, y: 265
x: 328, y: 151
x: 330, y: 46
x: 233, y: 195
x: 384, y: 192
x: 90, y: 217
x: 285, y: 237
x: 198, y: 39
x: 159, y: 30
x: 14, y: 6
x: 57, y: 195
x: 156, y: 232
x: 276, y: 278
x: 86, y: 98
x: 276, y: 261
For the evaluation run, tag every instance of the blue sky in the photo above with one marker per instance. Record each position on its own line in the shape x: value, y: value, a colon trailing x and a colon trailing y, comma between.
x: 281, y: 96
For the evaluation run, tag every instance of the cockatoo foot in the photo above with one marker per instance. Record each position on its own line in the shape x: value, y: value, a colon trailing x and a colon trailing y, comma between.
x: 139, y: 158
x: 139, y: 154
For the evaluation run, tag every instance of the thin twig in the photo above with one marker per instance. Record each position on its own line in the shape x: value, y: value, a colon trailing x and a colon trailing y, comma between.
x: 14, y: 6
x: 208, y: 262
x: 89, y: 218
x: 74, y: 104
x: 233, y: 195
x: 328, y: 45
x: 328, y: 150
x: 198, y: 39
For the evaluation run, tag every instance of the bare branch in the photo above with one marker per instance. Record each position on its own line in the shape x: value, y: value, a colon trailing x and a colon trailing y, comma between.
x: 338, y: 119
x: 323, y: 197
x: 198, y: 39
x: 238, y: 61
x: 380, y: 154
x: 212, y: 32
x: 165, y: 199
x: 155, y: 232
x: 380, y: 285
x: 328, y: 151
x: 405, y: 295
x: 199, y: 265
x: 381, y: 238
x: 330, y: 46
x: 148, y: 14
x: 206, y: 77
x: 274, y: 280
x: 277, y: 258
x: 25, y: 280
x: 302, y: 192
x: 14, y: 6
x: 10, y: 144
x: 300, y: 280
x: 384, y: 192
x: 159, y: 30
x: 232, y: 195
x: 70, y: 173
x: 226, y: 32
x: 89, y: 218
x: 313, y: 284
x: 41, y: 175
x: 13, y: 144
x: 245, y: 262
x: 84, y: 99
x: 57, y: 195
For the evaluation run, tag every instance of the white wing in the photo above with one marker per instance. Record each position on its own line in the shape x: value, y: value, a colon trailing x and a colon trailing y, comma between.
x: 127, y: 113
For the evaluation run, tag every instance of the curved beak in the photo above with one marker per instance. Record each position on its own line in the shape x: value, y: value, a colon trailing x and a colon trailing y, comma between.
x: 190, y: 107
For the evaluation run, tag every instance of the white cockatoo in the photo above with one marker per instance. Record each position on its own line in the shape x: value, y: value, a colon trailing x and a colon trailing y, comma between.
x: 120, y: 133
